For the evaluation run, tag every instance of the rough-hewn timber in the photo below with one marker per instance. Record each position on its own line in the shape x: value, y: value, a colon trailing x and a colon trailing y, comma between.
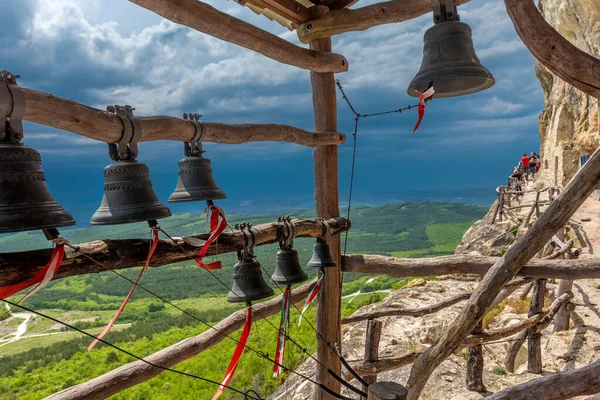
x: 207, y: 19
x: 553, y: 219
x: 138, y: 371
x: 116, y: 254
x: 556, y: 53
x: 57, y: 112
x: 360, y: 19
x: 372, y: 348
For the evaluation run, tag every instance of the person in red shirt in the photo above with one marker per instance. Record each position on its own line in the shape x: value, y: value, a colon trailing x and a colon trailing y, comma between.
x: 525, y: 164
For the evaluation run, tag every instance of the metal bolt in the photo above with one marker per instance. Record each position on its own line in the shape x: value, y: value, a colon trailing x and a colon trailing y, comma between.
x: 309, y: 26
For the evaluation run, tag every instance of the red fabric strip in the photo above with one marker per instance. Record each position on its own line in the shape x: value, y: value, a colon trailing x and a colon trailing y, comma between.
x: 218, y: 223
x: 236, y: 354
x: 282, y: 336
x: 120, y: 310
x: 311, y: 297
x: 41, y: 278
x: 421, y: 109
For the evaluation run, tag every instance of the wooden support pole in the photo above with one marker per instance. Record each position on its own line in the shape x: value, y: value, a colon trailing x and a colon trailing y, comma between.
x: 559, y: 386
x: 127, y: 253
x: 387, y: 391
x: 360, y: 19
x: 555, y: 217
x: 513, y: 351
x: 501, y: 204
x: 534, y: 338
x: 372, y: 348
x: 474, y: 377
x: 57, y: 112
x: 207, y: 19
x: 137, y: 372
x: 325, y: 159
x: 562, y: 58
x: 588, y: 268
x: 563, y: 316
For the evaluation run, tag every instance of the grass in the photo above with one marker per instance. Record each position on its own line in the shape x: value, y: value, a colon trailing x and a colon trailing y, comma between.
x: 520, y: 306
x: 490, y: 317
x: 444, y: 238
x: 499, y: 370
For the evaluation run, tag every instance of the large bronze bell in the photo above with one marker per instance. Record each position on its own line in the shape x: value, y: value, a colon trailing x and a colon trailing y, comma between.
x: 196, y: 181
x: 321, y: 256
x: 449, y: 63
x: 25, y: 200
x: 248, y: 282
x: 128, y: 195
x: 288, y: 270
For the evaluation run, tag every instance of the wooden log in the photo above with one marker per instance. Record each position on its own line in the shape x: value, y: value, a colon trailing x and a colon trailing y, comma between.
x: 555, y: 217
x: 466, y: 264
x: 387, y: 391
x: 534, y: 207
x: 325, y: 161
x: 207, y: 19
x: 57, y: 112
x: 540, y: 321
x: 360, y: 19
x: 562, y: 58
x: 559, y: 386
x: 564, y: 249
x: 526, y: 291
x: 534, y: 338
x: 116, y: 254
x: 474, y: 376
x: 372, y: 348
x: 513, y: 351
x: 138, y: 371
x: 501, y: 204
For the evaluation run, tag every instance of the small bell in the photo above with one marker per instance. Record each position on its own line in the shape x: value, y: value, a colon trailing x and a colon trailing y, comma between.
x: 25, y: 201
x: 288, y: 270
x: 248, y: 282
x: 321, y: 256
x: 449, y: 63
x: 196, y: 181
x: 128, y: 194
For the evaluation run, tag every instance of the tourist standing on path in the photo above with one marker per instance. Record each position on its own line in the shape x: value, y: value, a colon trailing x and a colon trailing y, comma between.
x: 532, y: 163
x: 525, y: 164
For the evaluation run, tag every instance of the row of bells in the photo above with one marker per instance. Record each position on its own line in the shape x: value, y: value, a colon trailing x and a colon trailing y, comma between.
x: 27, y: 204
x: 248, y: 282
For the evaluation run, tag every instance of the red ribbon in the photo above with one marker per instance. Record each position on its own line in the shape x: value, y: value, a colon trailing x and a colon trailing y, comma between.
x: 153, y: 245
x: 422, y: 104
x: 218, y: 223
x: 41, y: 278
x: 282, y: 336
x: 236, y: 354
x: 310, y: 298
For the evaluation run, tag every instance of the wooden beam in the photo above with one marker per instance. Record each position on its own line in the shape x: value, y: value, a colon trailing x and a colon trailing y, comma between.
x: 538, y: 322
x: 47, y: 109
x: 127, y: 253
x: 534, y: 339
x: 517, y: 255
x: 559, y: 386
x: 474, y: 376
x: 387, y: 391
x: 466, y: 264
x: 325, y: 161
x: 360, y: 19
x: 289, y: 9
x: 137, y: 372
x: 556, y: 53
x: 206, y: 19
x: 372, y: 348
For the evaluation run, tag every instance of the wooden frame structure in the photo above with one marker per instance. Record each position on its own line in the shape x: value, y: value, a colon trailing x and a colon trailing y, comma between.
x: 315, y: 25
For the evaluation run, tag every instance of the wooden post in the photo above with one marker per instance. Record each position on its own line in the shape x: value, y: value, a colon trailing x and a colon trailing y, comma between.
x: 534, y: 339
x: 561, y: 321
x: 511, y: 354
x: 372, y: 347
x: 474, y: 377
x: 325, y: 159
x: 500, y: 204
x: 387, y: 391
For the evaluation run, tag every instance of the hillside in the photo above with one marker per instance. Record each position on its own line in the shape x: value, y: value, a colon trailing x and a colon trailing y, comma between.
x: 30, y: 371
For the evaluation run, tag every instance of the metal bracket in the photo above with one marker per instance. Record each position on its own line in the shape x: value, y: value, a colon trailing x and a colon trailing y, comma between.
x: 126, y: 148
x: 249, y: 241
x: 444, y: 12
x: 194, y: 147
x: 292, y: 229
x: 13, y: 99
x: 326, y: 227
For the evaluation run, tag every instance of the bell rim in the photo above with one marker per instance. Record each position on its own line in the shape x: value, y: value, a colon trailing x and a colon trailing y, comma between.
x: 70, y: 222
x: 488, y: 83
x: 190, y: 198
x: 233, y: 297
x: 157, y: 214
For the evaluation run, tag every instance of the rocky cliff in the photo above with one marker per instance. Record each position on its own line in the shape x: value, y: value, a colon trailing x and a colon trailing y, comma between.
x: 569, y: 124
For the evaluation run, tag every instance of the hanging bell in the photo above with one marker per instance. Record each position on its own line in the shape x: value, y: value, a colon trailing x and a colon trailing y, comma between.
x: 449, y: 63
x: 196, y: 181
x: 248, y: 282
x: 288, y: 270
x: 25, y: 200
x: 128, y: 196
x: 321, y: 256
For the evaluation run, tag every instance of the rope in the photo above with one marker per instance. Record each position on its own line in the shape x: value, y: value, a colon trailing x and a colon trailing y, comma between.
x: 127, y: 352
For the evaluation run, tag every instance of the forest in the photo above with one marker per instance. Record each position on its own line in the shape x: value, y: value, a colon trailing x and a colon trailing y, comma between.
x: 34, y: 367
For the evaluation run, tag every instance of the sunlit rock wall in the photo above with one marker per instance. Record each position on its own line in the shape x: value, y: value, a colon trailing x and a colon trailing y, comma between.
x: 569, y: 125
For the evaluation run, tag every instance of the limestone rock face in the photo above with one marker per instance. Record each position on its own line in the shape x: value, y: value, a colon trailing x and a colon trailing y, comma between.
x: 569, y: 124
